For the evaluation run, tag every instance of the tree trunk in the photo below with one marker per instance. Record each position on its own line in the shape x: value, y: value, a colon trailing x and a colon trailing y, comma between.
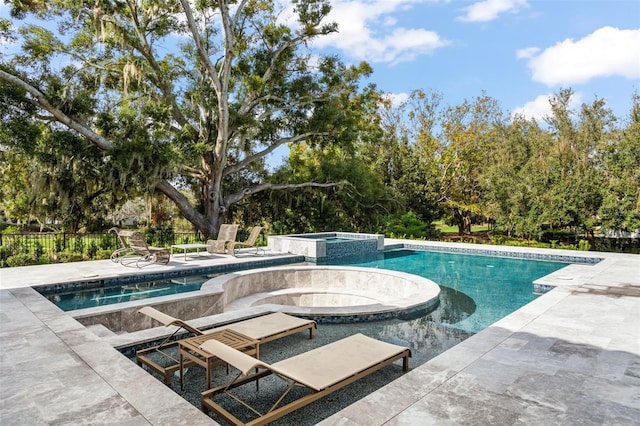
x: 463, y: 220
x: 208, y: 224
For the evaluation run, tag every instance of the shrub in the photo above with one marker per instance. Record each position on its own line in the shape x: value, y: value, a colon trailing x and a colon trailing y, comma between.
x: 92, y: 250
x: 107, y: 241
x: 408, y: 226
x: 78, y: 244
x: 59, y: 245
x: 583, y: 245
x: 103, y: 254
x: 38, y: 250
x: 67, y: 256
x: 22, y: 259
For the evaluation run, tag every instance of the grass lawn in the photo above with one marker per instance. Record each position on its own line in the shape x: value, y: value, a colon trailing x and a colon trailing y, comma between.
x: 446, y: 229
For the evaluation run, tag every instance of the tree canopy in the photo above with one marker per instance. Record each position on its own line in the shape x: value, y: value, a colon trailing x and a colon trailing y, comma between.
x: 108, y: 100
x: 179, y: 95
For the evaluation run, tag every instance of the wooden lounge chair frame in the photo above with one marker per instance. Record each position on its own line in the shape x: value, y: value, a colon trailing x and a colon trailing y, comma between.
x: 322, y: 371
x: 142, y: 356
x: 226, y: 234
x: 263, y: 328
x: 250, y: 242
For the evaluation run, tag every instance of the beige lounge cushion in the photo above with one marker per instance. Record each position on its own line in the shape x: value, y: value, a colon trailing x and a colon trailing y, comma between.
x: 243, y: 362
x: 165, y: 319
x: 319, y: 368
x: 267, y: 325
x: 337, y: 361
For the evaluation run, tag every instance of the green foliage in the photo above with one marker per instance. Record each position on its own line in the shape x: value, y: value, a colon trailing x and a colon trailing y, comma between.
x: 160, y: 237
x: 59, y: 245
x: 38, y: 249
x: 357, y: 205
x: 620, y: 207
x: 196, y: 123
x: 92, y: 250
x: 11, y: 229
x: 78, y: 244
x: 407, y: 225
x: 69, y: 256
x: 22, y: 259
x: 201, y: 116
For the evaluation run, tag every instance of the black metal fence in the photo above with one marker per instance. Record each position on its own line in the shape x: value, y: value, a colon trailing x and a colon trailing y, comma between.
x: 34, y: 248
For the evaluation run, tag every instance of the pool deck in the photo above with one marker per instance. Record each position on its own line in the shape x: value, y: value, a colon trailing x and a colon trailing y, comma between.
x: 572, y: 356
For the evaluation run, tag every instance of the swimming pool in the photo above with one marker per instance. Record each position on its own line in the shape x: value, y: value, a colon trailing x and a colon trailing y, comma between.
x: 496, y: 286
x: 101, y: 295
x: 476, y: 291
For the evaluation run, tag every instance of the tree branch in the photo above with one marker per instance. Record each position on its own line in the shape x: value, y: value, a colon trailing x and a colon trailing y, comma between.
x: 191, y: 214
x: 164, y: 86
x: 200, y: 47
x: 251, y: 158
x: 234, y: 198
x: 41, y: 101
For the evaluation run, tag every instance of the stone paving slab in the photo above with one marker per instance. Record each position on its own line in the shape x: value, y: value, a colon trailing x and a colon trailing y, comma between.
x: 570, y: 357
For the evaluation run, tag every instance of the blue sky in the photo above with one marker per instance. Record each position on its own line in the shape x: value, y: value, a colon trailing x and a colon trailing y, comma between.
x: 518, y: 51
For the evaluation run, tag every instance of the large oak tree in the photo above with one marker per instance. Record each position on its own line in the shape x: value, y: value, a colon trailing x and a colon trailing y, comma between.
x: 181, y: 94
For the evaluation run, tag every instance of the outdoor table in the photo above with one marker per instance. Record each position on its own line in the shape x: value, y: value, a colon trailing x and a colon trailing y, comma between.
x: 190, y: 349
x: 186, y: 247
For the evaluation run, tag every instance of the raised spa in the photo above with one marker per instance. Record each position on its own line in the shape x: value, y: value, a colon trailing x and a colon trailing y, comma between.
x: 327, y: 293
x: 323, y: 246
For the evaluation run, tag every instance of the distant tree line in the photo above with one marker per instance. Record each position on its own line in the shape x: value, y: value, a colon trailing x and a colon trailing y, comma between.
x: 179, y: 104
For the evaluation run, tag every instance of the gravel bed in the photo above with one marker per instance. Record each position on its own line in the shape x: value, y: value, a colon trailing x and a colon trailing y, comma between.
x: 425, y: 338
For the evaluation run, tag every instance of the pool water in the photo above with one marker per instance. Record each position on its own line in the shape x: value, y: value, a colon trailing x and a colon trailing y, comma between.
x: 476, y: 290
x: 99, y: 296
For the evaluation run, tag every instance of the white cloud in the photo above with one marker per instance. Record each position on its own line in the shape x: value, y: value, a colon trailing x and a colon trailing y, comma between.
x: 367, y: 31
x: 539, y: 108
x: 397, y: 99
x: 489, y: 10
x: 607, y: 51
x: 527, y: 53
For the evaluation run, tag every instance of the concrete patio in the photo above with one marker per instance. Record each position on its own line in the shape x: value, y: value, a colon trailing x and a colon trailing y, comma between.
x: 572, y: 356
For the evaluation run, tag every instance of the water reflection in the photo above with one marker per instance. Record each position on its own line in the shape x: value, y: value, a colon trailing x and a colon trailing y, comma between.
x: 454, y: 307
x: 431, y: 334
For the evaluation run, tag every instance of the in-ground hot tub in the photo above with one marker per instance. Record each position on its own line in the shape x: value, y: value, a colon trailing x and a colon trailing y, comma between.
x: 327, y: 293
x: 327, y: 245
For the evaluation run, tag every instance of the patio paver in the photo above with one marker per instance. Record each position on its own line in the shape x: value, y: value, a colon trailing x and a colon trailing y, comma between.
x: 571, y: 356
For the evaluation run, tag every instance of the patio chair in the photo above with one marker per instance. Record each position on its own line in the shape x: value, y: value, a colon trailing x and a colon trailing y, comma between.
x: 226, y: 234
x: 250, y: 242
x: 125, y: 250
x: 320, y: 371
x: 142, y: 252
x: 263, y: 328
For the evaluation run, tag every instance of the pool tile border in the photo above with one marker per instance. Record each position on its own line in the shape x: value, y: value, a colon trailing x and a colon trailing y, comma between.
x: 499, y: 253
x: 50, y: 289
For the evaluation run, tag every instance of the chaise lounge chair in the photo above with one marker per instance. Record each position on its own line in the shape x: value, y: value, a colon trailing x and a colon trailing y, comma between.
x: 250, y: 241
x: 125, y: 250
x: 263, y: 328
x: 321, y: 371
x: 135, y: 249
x: 226, y: 234
x: 145, y: 252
